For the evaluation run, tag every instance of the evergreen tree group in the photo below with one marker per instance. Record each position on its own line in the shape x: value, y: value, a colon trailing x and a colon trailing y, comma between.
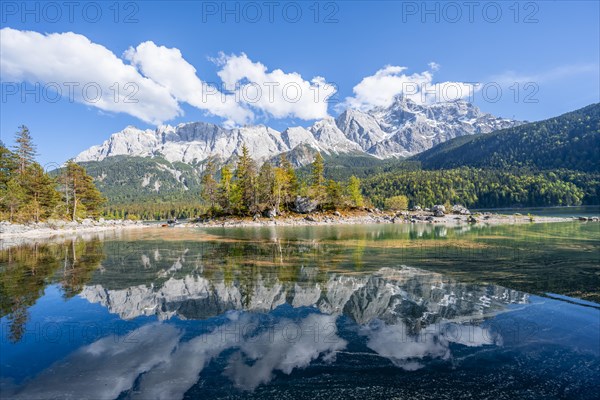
x: 248, y: 189
x: 30, y: 194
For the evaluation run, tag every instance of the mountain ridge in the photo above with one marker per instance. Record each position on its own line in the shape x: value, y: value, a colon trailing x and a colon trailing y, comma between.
x: 403, y: 129
x: 568, y: 141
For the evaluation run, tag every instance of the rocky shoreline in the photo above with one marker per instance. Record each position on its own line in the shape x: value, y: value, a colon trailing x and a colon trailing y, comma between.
x: 379, y: 217
x: 16, y: 233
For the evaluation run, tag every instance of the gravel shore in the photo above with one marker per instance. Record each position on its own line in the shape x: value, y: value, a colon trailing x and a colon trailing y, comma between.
x: 377, y: 217
x: 16, y: 234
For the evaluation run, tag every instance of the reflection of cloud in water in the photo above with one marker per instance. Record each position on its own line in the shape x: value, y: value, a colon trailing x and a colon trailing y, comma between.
x: 296, y: 346
x: 104, y: 368
x: 406, y: 351
x: 152, y: 362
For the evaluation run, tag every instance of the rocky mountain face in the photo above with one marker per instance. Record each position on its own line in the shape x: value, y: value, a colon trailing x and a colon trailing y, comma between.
x: 403, y: 129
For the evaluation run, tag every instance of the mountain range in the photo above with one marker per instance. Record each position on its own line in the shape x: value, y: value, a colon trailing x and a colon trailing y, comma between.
x: 166, y: 162
x: 403, y: 129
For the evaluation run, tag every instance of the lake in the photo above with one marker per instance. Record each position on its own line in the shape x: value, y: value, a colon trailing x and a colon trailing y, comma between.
x: 417, y: 311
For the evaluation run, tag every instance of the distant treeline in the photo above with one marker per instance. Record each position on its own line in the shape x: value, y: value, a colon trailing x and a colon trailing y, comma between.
x: 485, y: 188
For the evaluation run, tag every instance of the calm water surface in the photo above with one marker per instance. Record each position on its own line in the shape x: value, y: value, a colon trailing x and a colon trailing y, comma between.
x: 382, y: 311
x: 566, y: 212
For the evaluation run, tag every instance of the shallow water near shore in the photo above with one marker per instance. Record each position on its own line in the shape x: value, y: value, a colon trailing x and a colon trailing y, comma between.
x: 381, y: 311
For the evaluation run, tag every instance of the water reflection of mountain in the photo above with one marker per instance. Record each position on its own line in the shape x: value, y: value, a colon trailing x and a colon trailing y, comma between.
x: 258, y: 314
x: 387, y: 313
x: 390, y: 294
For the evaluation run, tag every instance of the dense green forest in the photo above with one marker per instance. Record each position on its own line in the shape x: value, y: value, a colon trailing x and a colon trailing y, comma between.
x: 28, y: 193
x: 570, y: 141
x: 242, y: 188
x: 485, y: 188
x: 248, y: 189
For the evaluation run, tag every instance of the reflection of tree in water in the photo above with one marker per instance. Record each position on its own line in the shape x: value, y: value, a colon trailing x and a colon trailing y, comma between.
x: 80, y: 260
x: 25, y: 272
x: 248, y: 265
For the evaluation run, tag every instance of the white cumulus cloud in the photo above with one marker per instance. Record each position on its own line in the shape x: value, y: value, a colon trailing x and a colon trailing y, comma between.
x: 275, y: 93
x: 150, y: 81
x: 85, y: 72
x: 381, y: 88
x: 167, y: 67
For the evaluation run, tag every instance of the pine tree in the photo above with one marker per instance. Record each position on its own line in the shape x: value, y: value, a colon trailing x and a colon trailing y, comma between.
x: 209, y: 185
x: 291, y: 185
x: 8, y: 165
x: 333, y: 192
x: 266, y: 186
x: 91, y: 199
x: 82, y: 198
x: 225, y: 189
x: 13, y: 198
x: 24, y: 149
x: 246, y: 181
x: 281, y: 187
x: 317, y: 177
x: 41, y: 189
x: 356, y: 198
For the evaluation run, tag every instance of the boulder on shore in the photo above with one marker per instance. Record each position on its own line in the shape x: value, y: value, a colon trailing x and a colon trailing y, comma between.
x: 458, y: 209
x: 304, y: 205
x: 439, y: 207
x: 270, y: 213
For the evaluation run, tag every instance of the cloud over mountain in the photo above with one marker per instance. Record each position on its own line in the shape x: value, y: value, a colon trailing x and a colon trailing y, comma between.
x: 381, y: 88
x: 276, y: 93
x: 151, y: 81
x: 167, y: 67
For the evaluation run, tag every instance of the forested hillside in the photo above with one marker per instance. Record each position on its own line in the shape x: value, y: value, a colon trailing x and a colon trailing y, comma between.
x: 555, y: 162
x: 549, y: 163
x: 125, y: 179
x: 485, y: 188
x: 570, y: 141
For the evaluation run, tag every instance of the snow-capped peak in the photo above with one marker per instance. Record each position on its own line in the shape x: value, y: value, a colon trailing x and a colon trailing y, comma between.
x: 402, y: 129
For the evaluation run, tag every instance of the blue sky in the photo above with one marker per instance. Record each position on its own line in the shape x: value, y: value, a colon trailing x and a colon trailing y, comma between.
x: 548, y: 50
